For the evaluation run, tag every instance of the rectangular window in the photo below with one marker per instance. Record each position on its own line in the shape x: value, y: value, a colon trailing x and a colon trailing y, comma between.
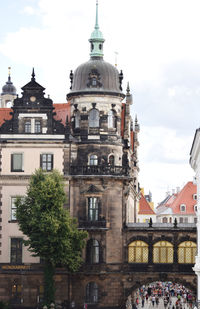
x: 37, y: 126
x: 27, y: 128
x: 46, y: 162
x: 17, y: 162
x: 93, y: 209
x: 13, y: 208
x: 16, y: 251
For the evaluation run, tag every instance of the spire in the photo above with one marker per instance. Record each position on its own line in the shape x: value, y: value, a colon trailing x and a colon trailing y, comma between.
x: 9, y: 78
x: 97, y: 16
x: 33, y: 75
x: 96, y: 40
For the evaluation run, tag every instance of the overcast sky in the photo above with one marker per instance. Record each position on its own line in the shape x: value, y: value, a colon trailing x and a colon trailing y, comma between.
x: 158, y: 48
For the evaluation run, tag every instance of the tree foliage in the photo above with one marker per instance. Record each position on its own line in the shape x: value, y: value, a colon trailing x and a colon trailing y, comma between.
x: 51, y: 232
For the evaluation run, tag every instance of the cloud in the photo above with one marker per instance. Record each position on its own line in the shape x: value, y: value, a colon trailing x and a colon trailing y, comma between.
x: 29, y: 10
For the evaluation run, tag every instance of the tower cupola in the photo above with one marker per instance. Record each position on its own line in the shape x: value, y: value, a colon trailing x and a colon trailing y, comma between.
x: 96, y: 40
x: 8, y: 88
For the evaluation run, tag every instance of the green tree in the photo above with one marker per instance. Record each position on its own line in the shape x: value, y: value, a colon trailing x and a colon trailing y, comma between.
x: 51, y: 232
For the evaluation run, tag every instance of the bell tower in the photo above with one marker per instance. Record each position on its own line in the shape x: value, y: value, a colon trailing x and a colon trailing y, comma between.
x: 103, y: 167
x: 8, y: 92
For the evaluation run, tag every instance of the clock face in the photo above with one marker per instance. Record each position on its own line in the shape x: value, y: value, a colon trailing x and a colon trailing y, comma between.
x: 32, y: 99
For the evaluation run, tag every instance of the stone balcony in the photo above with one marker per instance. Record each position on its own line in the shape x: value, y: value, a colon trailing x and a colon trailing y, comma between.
x: 99, y: 170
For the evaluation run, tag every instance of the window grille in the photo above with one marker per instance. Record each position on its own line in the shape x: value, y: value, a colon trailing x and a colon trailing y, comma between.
x: 163, y: 252
x: 138, y: 252
x: 187, y: 251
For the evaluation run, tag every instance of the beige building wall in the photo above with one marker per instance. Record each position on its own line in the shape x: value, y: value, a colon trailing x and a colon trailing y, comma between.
x: 31, y: 157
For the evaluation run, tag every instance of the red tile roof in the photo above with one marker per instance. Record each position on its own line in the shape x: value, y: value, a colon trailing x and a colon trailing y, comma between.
x: 185, y: 196
x: 144, y: 207
x: 62, y: 110
x: 5, y: 115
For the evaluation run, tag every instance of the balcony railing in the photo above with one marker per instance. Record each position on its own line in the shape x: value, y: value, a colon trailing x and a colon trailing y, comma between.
x: 101, y: 223
x: 99, y: 170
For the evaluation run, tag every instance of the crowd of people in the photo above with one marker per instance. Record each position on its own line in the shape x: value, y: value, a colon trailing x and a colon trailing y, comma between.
x: 165, y: 295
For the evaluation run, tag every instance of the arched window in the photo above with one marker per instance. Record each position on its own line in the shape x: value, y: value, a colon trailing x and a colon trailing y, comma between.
x: 111, y: 160
x: 93, y: 160
x: 111, y: 119
x: 91, y: 293
x: 27, y: 127
x: 195, y: 208
x: 187, y: 252
x: 164, y: 220
x: 163, y: 252
x: 93, y: 251
x: 93, y: 209
x: 77, y: 120
x: 138, y: 252
x: 94, y: 118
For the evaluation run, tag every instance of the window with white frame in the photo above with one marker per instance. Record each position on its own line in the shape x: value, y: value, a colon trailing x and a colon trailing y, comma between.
x: 93, y: 209
x: 46, y: 162
x: 27, y: 126
x: 195, y: 196
x: 93, y: 160
x: 17, y: 162
x: 37, y: 126
x: 13, y: 208
x: 182, y: 207
x: 195, y: 208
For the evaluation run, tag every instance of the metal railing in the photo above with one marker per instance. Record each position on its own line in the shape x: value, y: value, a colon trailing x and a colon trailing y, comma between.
x: 98, y: 170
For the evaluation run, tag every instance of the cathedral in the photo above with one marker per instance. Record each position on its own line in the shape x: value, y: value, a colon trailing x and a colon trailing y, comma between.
x: 92, y: 140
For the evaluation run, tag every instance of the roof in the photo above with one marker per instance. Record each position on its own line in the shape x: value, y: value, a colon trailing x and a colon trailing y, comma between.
x: 174, y: 201
x: 144, y: 207
x: 62, y: 110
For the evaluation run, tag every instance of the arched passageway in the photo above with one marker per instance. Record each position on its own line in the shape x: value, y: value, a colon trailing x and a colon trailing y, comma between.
x: 161, y: 295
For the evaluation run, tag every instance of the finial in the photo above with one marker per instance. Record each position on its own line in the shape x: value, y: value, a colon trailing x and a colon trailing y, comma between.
x: 116, y: 54
x: 33, y: 75
x: 128, y: 89
x: 9, y: 68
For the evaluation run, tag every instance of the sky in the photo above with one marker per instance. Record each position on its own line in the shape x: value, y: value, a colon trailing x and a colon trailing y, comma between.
x: 158, y: 48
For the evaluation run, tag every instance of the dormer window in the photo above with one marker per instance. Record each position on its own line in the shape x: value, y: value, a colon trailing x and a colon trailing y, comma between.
x: 37, y: 126
x: 195, y: 196
x: 27, y: 126
x: 182, y: 208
